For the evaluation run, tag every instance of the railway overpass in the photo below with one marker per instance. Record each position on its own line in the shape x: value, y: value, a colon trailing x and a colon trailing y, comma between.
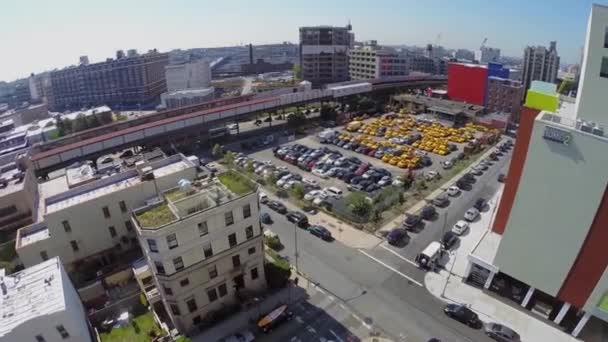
x: 196, y: 121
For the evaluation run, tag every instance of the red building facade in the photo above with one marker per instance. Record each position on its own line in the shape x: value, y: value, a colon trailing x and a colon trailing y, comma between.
x: 467, y: 83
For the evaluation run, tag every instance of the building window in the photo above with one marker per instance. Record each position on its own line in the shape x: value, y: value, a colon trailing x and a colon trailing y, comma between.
x: 212, y: 272
x: 74, y: 245
x: 236, y: 260
x: 123, y: 206
x: 178, y: 263
x: 196, y: 320
x: 184, y: 282
x: 604, y: 71
x: 61, y: 330
x: 228, y: 218
x: 160, y: 268
x: 203, y: 229
x: 249, y: 232
x: 129, y: 226
x: 208, y: 250
x: 232, y: 239
x: 254, y: 273
x: 174, y: 309
x: 112, y: 231
x: 251, y: 250
x: 152, y: 245
x: 66, y: 226
x: 191, y: 304
x: 222, y: 290
x: 44, y: 256
x: 246, y: 211
x: 168, y: 290
x: 172, y: 241
x: 212, y: 294
x: 106, y: 212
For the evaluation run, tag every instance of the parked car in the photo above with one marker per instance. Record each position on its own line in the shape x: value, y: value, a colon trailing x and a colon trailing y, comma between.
x: 462, y: 314
x: 310, y: 182
x: 453, y: 191
x: 429, y: 176
x: 333, y: 191
x: 480, y: 204
x: 395, y: 236
x: 320, y: 232
x: 500, y: 333
x: 275, y: 318
x: 263, y: 197
x: 447, y: 164
x: 311, y: 195
x: 278, y: 207
x: 448, y: 240
x: 441, y: 200
x: 502, y: 178
x: 266, y: 218
x: 471, y: 214
x: 320, y: 173
x: 460, y: 227
x: 412, y: 221
x: 298, y: 218
x: 241, y: 336
x: 428, y: 212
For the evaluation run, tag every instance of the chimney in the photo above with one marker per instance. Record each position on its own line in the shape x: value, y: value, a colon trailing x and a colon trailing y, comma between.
x: 250, y: 53
x: 120, y: 54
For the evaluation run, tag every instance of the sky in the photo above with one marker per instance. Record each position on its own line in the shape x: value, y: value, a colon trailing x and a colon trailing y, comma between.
x: 39, y: 35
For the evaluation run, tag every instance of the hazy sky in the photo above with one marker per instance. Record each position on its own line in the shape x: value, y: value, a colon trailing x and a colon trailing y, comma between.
x: 37, y: 35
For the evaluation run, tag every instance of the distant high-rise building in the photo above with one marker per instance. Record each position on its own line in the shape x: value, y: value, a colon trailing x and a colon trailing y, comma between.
x: 323, y: 53
x: 127, y: 82
x: 373, y: 61
x: 487, y: 54
x: 540, y: 64
x: 464, y: 54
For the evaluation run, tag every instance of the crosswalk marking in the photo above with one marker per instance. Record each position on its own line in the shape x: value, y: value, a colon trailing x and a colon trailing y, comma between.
x: 400, y: 256
x: 390, y: 268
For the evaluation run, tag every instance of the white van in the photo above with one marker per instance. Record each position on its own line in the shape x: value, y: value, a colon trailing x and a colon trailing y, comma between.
x: 263, y: 197
x: 430, y: 256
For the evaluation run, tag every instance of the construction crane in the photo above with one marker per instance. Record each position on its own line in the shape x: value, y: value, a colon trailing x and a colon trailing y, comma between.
x: 483, y: 44
x: 438, y: 39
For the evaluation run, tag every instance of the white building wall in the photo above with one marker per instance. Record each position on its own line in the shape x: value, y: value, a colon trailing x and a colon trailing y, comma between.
x: 592, y: 90
x: 188, y: 76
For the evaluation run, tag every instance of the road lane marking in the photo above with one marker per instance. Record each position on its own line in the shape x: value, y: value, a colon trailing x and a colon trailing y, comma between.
x: 390, y: 268
x: 400, y: 256
x: 336, y: 336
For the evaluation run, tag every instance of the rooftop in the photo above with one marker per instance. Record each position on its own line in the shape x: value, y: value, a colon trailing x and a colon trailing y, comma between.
x: 192, y: 198
x: 33, y: 292
x: 15, y: 180
x: 117, y: 182
x: 441, y: 105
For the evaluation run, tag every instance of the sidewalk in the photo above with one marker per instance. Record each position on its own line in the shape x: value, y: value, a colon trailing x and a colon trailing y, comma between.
x: 241, y: 320
x: 452, y: 289
x: 422, y: 203
x: 341, y: 231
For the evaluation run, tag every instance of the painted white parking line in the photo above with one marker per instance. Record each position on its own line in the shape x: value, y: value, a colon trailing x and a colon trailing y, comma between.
x: 390, y: 268
x: 399, y: 256
x: 336, y: 336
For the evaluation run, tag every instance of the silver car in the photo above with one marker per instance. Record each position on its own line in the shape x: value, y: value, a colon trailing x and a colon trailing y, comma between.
x: 500, y: 333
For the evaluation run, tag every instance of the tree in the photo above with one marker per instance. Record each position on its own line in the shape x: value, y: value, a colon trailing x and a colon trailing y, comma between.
x: 249, y: 167
x: 296, y: 120
x: 297, y: 72
x: 93, y: 121
x: 229, y: 158
x: 61, y: 129
x: 328, y: 113
x: 271, y: 178
x: 421, y: 185
x: 359, y: 205
x: 298, y: 191
x: 105, y: 118
x: 365, y: 103
x: 217, y: 151
x: 80, y: 123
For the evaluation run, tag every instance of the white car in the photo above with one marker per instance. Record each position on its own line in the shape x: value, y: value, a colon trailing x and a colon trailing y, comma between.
x: 453, y: 191
x: 446, y: 164
x: 460, y: 227
x: 310, y: 181
x: 431, y: 175
x: 320, y: 173
x: 384, y: 181
x: 317, y: 201
x: 212, y: 167
x: 290, y: 184
x: 471, y: 214
x: 232, y: 126
x: 368, y: 174
x: 333, y: 191
x: 311, y: 195
x: 263, y: 197
x: 284, y: 180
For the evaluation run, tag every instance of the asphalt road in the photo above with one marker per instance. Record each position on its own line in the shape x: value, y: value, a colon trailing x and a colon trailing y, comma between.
x: 380, y: 296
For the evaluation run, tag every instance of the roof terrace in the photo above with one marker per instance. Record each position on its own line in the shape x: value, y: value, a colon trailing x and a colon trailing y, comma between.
x: 193, y: 198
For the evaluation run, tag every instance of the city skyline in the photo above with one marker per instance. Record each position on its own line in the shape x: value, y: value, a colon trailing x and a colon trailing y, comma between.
x: 168, y: 26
